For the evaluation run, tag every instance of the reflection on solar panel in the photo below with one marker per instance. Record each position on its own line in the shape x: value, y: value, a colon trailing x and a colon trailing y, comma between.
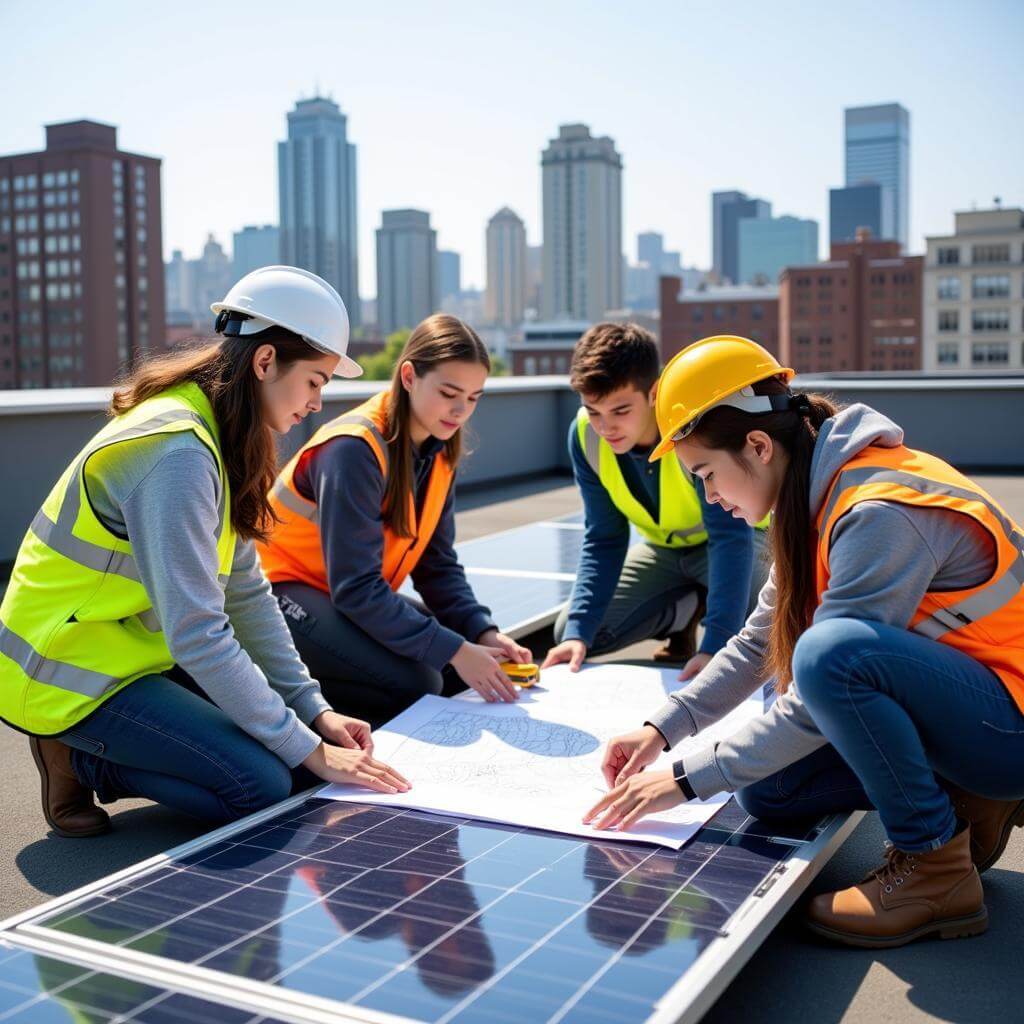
x: 524, y: 575
x: 35, y: 987
x: 440, y: 919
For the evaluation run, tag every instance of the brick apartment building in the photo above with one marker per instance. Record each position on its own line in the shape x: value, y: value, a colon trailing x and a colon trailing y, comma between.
x: 81, y: 266
x: 860, y: 310
x: 686, y: 317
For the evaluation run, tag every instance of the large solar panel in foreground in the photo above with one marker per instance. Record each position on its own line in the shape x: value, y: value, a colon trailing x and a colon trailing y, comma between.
x: 432, y: 918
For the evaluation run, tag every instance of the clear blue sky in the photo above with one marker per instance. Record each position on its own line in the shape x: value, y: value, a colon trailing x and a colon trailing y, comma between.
x: 450, y: 104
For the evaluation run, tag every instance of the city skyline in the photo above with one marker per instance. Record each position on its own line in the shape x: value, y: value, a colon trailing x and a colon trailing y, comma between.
x: 463, y: 153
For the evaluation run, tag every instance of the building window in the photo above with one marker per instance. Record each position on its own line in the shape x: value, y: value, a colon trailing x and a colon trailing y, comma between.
x: 756, y: 311
x: 990, y: 353
x: 948, y: 353
x: 949, y: 288
x: 718, y: 313
x: 949, y: 256
x: 990, y: 253
x: 530, y: 365
x: 697, y: 314
x: 990, y: 320
x: 990, y: 286
x: 949, y: 320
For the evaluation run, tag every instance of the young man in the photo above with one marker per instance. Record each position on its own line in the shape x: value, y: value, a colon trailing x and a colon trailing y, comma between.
x: 691, y: 551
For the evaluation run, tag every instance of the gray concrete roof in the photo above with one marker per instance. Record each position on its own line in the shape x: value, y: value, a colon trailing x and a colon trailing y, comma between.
x: 792, y: 977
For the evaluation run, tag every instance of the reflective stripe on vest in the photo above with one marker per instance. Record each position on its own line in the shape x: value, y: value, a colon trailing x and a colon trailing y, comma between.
x: 76, y: 624
x: 679, y: 513
x: 985, y: 621
x: 295, y: 551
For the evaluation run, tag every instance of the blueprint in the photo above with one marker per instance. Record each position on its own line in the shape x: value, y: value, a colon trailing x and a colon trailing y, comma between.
x: 537, y: 762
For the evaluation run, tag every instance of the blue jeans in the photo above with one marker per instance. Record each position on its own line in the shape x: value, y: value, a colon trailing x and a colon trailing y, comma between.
x: 162, y: 741
x: 901, y: 712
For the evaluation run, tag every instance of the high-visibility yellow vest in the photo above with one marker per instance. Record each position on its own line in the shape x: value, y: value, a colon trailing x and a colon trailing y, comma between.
x: 985, y: 621
x: 76, y: 623
x: 680, y: 523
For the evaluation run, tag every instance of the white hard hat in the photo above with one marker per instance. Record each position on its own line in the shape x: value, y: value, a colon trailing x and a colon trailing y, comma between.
x: 292, y: 298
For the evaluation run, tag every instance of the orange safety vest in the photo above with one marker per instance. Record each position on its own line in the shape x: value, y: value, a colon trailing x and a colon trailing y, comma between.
x: 986, y: 621
x: 294, y: 551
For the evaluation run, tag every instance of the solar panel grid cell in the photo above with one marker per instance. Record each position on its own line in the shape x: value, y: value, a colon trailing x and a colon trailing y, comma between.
x: 440, y: 918
x: 38, y: 989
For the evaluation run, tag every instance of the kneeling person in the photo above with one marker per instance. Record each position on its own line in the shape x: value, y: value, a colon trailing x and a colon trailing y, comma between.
x: 689, y: 549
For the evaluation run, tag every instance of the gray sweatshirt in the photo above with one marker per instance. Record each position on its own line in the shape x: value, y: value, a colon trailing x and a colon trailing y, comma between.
x: 884, y: 557
x: 161, y: 493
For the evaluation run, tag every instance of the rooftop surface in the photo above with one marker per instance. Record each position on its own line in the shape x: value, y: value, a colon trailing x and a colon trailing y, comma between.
x: 791, y: 977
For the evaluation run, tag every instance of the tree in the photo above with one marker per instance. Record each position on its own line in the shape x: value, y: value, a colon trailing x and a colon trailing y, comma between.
x: 381, y: 365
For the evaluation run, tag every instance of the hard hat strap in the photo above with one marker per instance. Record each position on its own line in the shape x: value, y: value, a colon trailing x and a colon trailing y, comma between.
x: 746, y: 401
x: 229, y: 323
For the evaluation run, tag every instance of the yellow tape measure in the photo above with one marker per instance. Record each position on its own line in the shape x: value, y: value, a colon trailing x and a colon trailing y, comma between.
x: 522, y: 675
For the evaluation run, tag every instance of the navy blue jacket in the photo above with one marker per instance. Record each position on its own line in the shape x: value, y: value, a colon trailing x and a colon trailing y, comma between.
x: 606, y: 541
x: 344, y: 479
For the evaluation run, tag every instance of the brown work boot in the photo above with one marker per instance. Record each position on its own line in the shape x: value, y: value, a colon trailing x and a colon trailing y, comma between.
x: 681, y: 646
x: 992, y: 821
x: 910, y: 896
x: 67, y: 805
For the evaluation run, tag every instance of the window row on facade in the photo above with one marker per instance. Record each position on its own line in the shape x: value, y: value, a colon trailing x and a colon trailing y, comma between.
x: 1001, y: 252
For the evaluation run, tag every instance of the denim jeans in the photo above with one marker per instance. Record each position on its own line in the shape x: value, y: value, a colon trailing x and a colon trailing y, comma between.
x: 652, y: 580
x: 166, y: 742
x: 901, y: 713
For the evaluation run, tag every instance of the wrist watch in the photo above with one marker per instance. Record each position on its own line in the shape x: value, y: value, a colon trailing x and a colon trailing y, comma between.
x: 679, y: 774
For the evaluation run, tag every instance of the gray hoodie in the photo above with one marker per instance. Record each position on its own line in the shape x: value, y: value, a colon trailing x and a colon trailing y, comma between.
x: 883, y: 558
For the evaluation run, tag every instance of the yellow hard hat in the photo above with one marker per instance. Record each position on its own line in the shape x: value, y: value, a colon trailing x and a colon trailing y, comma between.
x: 714, y: 371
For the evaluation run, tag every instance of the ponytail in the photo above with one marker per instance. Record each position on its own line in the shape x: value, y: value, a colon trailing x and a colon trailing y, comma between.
x: 793, y: 535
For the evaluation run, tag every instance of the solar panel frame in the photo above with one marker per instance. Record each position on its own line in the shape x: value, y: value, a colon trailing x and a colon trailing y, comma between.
x: 693, y: 993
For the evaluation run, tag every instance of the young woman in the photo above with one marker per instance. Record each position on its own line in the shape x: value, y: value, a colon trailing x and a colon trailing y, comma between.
x: 893, y: 623
x: 368, y: 502
x: 142, y: 559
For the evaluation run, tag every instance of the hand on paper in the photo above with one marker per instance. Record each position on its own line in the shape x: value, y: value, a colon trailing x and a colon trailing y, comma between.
x: 512, y: 651
x: 695, y: 665
x: 631, y: 753
x: 628, y: 802
x: 342, y: 731
x: 572, y: 651
x: 478, y: 667
x: 340, y: 765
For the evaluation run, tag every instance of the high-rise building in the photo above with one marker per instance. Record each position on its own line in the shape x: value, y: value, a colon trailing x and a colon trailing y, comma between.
x: 317, y: 188
x: 878, y: 151
x: 861, y: 310
x: 505, y: 298
x: 582, y: 199
x: 767, y: 244
x: 81, y: 268
x: 407, y: 285
x: 449, y: 274
x: 178, y: 290
x: 212, y: 276
x: 534, y: 277
x: 727, y: 210
x: 974, y: 293
x: 254, y: 247
x: 860, y: 206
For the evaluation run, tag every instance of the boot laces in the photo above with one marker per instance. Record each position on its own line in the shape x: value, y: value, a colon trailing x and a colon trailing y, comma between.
x: 897, y: 867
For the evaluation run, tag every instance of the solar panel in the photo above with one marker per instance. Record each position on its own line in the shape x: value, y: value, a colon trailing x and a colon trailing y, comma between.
x: 440, y: 919
x: 524, y: 575
x: 35, y: 987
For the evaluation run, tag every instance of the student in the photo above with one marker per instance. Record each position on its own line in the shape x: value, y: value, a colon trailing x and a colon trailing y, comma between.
x: 893, y: 624
x: 690, y: 548
x: 142, y: 558
x: 370, y: 501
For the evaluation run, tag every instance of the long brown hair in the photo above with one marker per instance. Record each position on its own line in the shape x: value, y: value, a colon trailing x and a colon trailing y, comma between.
x: 793, y: 533
x: 438, y: 339
x: 223, y: 369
